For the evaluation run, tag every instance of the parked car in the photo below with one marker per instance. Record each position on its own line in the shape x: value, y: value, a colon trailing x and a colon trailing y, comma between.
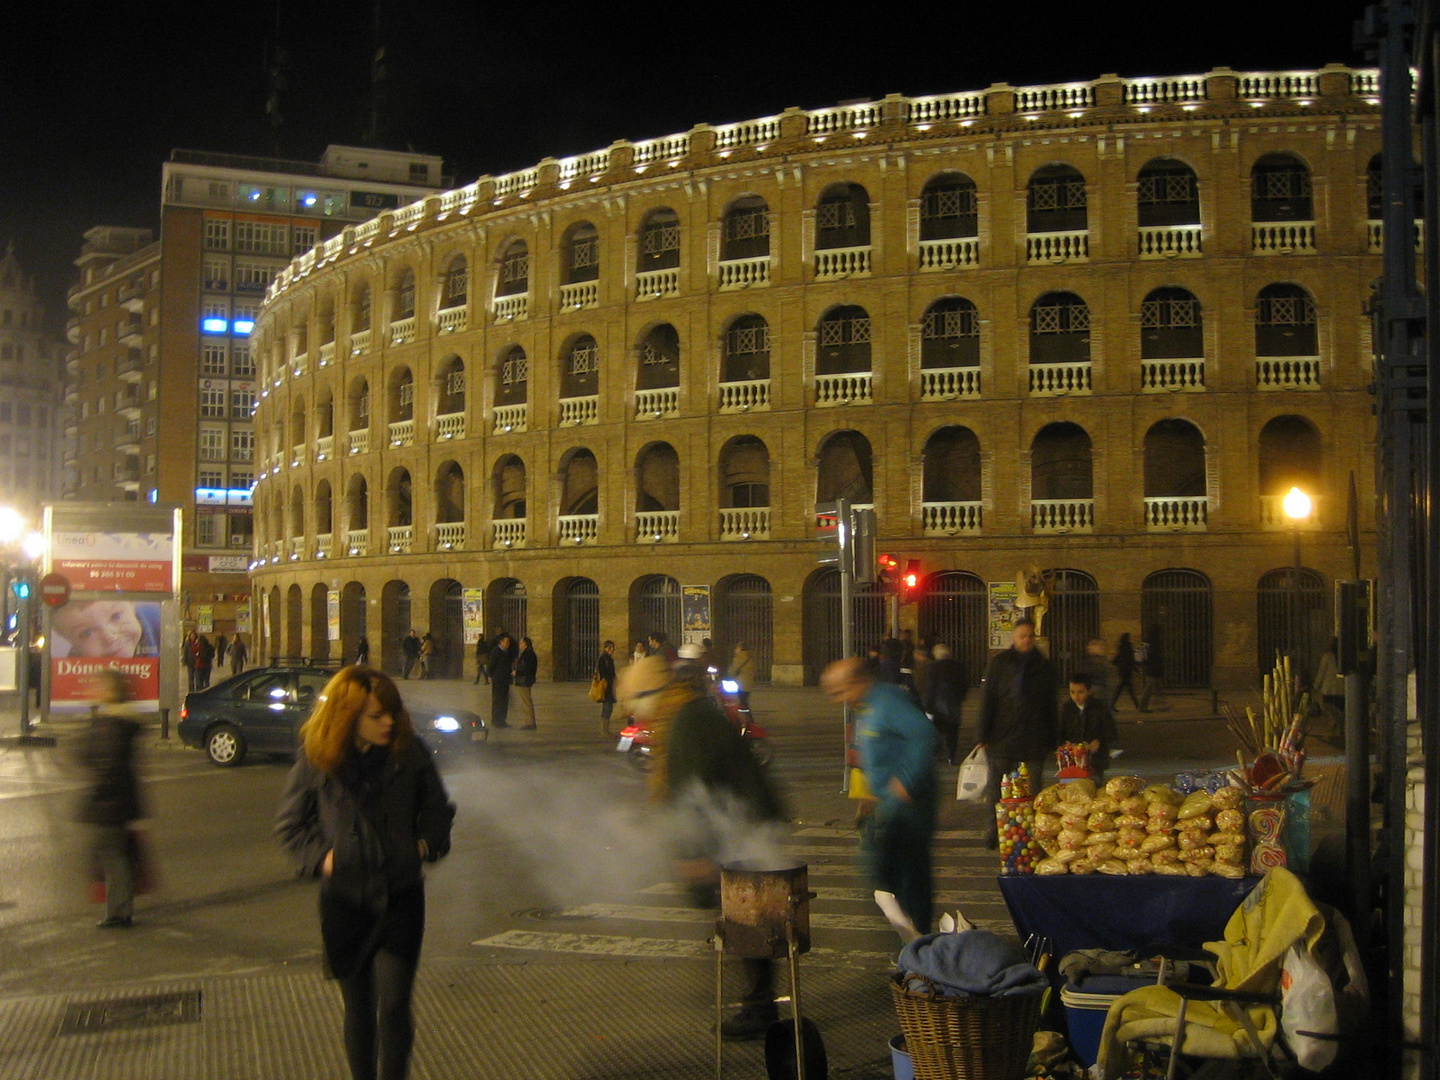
x: 262, y: 710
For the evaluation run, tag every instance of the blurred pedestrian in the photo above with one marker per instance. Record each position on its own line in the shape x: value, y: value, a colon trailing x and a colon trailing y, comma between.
x: 238, y: 654
x: 362, y: 651
x: 605, y: 672
x: 947, y: 682
x: 112, y: 800
x: 742, y: 670
x: 523, y: 679
x: 501, y: 660
x: 896, y: 743
x: 204, y: 660
x: 1018, y: 714
x: 1104, y: 679
x: 363, y: 810
x: 482, y: 659
x: 427, y: 654
x: 188, y: 653
x: 409, y: 653
x: 1125, y: 669
x: 221, y: 646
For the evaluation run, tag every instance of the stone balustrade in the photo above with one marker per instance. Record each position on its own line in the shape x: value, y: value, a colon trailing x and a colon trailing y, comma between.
x: 579, y: 529
x: 324, y: 545
x: 1160, y: 376
x: 452, y: 320
x: 1057, y: 380
x: 745, y: 523
x: 402, y: 432
x: 1169, y: 241
x: 1058, y: 247
x: 297, y: 455
x: 950, y: 254
x: 848, y: 388
x: 511, y: 308
x: 657, y: 527
x: 450, y: 535
x: 359, y: 341
x: 579, y: 295
x: 510, y: 418
x: 1283, y: 237
x: 753, y: 395
x: 831, y: 264
x: 450, y: 426
x: 949, y: 384
x: 744, y: 273
x: 576, y: 411
x: 508, y: 533
x: 659, y: 402
x: 653, y: 284
x: 1062, y: 515
x: 327, y: 354
x: 359, y: 441
x: 400, y: 539
x: 950, y: 518
x: 1287, y: 373
x: 300, y: 364
x: 357, y: 541
x: 1177, y: 513
x: 297, y: 548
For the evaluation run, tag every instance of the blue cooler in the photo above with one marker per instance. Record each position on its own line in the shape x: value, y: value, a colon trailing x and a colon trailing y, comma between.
x: 1086, y: 1006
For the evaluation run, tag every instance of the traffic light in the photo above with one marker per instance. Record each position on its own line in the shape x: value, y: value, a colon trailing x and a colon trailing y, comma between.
x: 910, y: 581
x: 21, y: 588
x: 887, y: 564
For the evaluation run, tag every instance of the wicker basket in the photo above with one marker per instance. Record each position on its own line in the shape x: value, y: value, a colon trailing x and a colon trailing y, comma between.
x: 965, y: 1038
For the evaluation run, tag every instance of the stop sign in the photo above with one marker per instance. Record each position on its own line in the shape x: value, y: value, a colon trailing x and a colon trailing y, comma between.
x: 55, y: 589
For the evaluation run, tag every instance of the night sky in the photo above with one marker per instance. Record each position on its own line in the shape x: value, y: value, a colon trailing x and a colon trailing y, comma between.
x: 94, y: 98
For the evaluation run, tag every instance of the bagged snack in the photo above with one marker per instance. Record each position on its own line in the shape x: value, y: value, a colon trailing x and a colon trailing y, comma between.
x: 1100, y: 822
x: 1131, y: 821
x: 1159, y: 793
x: 1131, y: 838
x: 1048, y: 801
x: 1162, y: 811
x: 1198, y: 855
x: 1112, y: 866
x: 1051, y: 866
x: 1077, y: 791
x: 1230, y: 854
x: 1152, y: 844
x: 1047, y: 826
x: 1096, y: 852
x: 1069, y: 855
x: 1122, y: 787
x: 1174, y: 869
x: 1227, y: 870
x: 1050, y: 846
x: 1133, y: 805
x: 1191, y: 839
x: 1219, y: 839
x: 1166, y: 857
x: 1196, y: 804
x: 1230, y: 820
x: 1082, y: 866
x: 1140, y: 865
x: 1195, y: 869
x: 1228, y: 798
x: 1102, y: 838
x: 1160, y: 827
x: 1104, y: 803
x: 1071, y: 839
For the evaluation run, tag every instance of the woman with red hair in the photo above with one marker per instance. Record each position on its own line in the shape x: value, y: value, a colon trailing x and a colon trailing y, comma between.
x: 363, y: 809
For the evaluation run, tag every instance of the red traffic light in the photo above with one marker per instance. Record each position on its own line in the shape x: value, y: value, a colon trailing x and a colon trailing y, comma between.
x: 888, y: 562
x: 910, y: 580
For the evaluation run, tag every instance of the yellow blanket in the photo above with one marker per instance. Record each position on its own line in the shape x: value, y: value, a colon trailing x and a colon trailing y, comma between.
x: 1277, y: 914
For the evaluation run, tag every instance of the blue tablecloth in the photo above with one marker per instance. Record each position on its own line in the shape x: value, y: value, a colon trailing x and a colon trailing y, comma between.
x: 1101, y: 911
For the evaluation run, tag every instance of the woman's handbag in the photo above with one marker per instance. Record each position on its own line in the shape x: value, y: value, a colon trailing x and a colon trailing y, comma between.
x: 598, y: 687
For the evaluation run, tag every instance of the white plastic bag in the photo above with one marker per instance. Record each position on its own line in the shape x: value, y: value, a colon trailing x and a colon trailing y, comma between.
x: 1307, y: 1010
x: 974, y: 776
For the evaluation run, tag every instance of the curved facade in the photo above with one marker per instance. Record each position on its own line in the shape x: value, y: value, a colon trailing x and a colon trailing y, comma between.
x: 1098, y: 328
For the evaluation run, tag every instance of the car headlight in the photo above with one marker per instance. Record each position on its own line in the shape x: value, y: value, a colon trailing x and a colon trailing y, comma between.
x: 730, y: 686
x: 446, y: 723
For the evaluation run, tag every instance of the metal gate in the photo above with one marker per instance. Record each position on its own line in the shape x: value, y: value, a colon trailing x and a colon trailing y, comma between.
x: 578, y: 630
x: 507, y: 609
x: 319, y: 623
x: 1072, y: 620
x: 294, y: 622
x: 953, y: 610
x: 745, y: 613
x: 655, y: 605
x: 394, y: 625
x: 352, y: 619
x: 1291, y: 619
x: 447, y: 627
x: 822, y: 633
x: 1176, y: 623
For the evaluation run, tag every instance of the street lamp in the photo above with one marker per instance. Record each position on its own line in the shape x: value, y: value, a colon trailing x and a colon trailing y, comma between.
x: 1297, y: 507
x: 20, y: 549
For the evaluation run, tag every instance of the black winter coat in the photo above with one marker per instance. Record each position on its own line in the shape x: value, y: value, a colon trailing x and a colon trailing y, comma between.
x: 948, y: 684
x: 1018, y: 718
x: 107, y: 752
x: 500, y: 663
x: 526, y: 665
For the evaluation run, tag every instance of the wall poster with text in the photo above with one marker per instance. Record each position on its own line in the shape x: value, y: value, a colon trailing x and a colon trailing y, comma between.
x: 1002, y: 613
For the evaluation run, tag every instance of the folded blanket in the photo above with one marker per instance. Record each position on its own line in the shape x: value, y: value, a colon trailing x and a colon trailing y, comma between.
x: 973, y: 963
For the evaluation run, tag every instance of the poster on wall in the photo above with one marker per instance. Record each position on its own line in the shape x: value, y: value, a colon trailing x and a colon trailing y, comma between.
x: 242, y: 617
x: 1003, y: 613
x: 91, y: 636
x: 694, y: 613
x: 332, y: 614
x: 205, y: 618
x: 114, y: 561
x: 472, y: 612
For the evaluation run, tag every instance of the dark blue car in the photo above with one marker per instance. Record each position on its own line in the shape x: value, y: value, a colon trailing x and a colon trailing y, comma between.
x: 262, y: 710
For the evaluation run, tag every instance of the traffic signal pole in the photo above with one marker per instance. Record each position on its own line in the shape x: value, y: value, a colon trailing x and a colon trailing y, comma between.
x: 22, y: 655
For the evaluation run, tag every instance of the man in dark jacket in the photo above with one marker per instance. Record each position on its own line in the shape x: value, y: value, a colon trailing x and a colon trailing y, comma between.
x: 946, y: 684
x: 1018, y: 721
x: 526, y: 666
x: 409, y: 653
x: 204, y: 661
x: 107, y: 752
x: 502, y: 657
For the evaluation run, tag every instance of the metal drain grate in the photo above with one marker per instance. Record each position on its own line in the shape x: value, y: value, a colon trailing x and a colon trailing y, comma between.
x: 149, y: 1010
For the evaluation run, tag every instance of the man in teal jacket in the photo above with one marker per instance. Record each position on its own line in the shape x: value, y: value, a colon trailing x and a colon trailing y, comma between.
x: 897, y: 754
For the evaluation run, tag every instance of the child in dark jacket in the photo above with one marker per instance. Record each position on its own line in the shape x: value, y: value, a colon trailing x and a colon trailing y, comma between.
x: 1086, y: 719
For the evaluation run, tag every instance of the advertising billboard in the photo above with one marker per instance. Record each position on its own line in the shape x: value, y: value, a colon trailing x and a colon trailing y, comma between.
x: 114, y: 561
x: 90, y: 636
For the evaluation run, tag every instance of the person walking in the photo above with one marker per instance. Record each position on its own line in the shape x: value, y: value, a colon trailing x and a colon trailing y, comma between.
x: 947, y: 684
x: 526, y: 665
x: 189, y: 652
x: 409, y: 653
x: 221, y: 646
x: 1104, y: 679
x: 1018, y: 715
x: 427, y: 655
x: 1087, y: 719
x: 363, y: 809
x: 500, y: 668
x: 238, y: 655
x: 204, y: 661
x: 605, y: 672
x: 742, y: 670
x: 112, y: 800
x: 1125, y: 672
x: 896, y: 743
x: 362, y: 651
x: 482, y: 659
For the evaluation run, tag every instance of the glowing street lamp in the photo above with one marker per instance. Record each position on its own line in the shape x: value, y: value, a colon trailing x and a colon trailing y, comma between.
x: 1297, y: 506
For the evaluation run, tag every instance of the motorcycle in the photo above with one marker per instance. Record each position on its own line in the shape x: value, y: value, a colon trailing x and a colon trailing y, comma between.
x: 637, y: 741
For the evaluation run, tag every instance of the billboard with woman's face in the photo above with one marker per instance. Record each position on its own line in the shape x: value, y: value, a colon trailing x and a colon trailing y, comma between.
x: 89, y: 636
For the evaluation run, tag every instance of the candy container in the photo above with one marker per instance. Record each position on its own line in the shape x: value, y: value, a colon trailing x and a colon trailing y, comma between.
x: 1015, y: 825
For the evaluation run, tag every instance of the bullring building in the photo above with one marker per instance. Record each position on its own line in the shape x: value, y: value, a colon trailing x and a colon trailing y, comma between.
x: 1097, y: 328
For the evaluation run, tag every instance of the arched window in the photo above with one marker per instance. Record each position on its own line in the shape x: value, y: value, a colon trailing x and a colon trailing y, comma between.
x: 1177, y: 620
x: 358, y: 405
x: 842, y: 218
x: 844, y: 469
x: 405, y: 295
x: 1167, y: 193
x: 1291, y: 620
x: 402, y: 396
x: 357, y: 504
x: 1073, y: 619
x: 325, y: 415
x: 450, y: 387
x: 1375, y: 190
x: 1060, y: 463
x: 513, y: 277
x: 398, y: 498
x: 657, y: 479
x: 746, y: 350
x: 950, y: 334
x: 297, y: 511
x: 842, y: 341
x: 512, y: 377
x: 655, y: 608
x: 1174, y: 460
x: 297, y: 422
x: 1170, y: 325
x: 953, y: 612
x: 580, y: 368
x: 1280, y: 189
x: 744, y: 473
x: 324, y: 509
x: 952, y: 467
x: 1059, y: 330
x: 948, y: 207
x: 509, y: 484
x: 449, y: 493
x: 507, y: 607
x: 580, y: 253
x: 744, y: 615
x: 579, y: 484
x: 745, y: 231
x: 657, y: 358
x: 454, y: 284
x: 659, y: 246
x: 1285, y: 322
x: 360, y: 309
x: 1291, y: 455
x: 1055, y: 200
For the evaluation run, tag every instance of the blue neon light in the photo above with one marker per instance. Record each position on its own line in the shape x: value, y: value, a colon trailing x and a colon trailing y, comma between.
x: 243, y: 326
x: 214, y: 326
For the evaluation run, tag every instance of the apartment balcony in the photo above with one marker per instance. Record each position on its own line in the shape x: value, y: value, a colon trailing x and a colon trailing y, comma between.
x: 450, y: 536
x: 655, y: 404
x: 128, y: 443
x: 402, y: 331
x: 399, y: 539
x: 1287, y: 373
x: 129, y: 408
x: 359, y: 441
x: 949, y: 384
x: 324, y: 447
x: 833, y: 264
x: 850, y: 388
x: 359, y: 341
x: 72, y: 393
x: 1177, y: 514
x: 357, y: 541
x: 327, y: 354
x: 1375, y: 235
x: 657, y: 527
x: 579, y: 295
x: 72, y: 330
x: 1283, y: 237
x: 402, y: 432
x: 508, y: 533
x: 450, y: 426
x: 745, y: 523
x: 1058, y: 380
x: 452, y: 320
x: 298, y: 455
x: 324, y: 545
x: 950, y: 254
x: 950, y: 518
x: 653, y: 284
x: 127, y: 471
x: 1062, y: 515
x: 1169, y: 242
x: 300, y: 364
x: 1058, y: 247
x: 1170, y: 376
x: 511, y: 308
x: 297, y: 548
x: 752, y: 395
x: 579, y: 529
x: 744, y: 273
x: 132, y: 298
x: 128, y: 367
x: 1273, y: 516
x: 578, y: 411
x: 511, y: 418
